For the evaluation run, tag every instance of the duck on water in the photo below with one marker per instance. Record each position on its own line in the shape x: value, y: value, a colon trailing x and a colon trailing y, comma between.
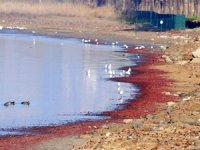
x: 11, y: 103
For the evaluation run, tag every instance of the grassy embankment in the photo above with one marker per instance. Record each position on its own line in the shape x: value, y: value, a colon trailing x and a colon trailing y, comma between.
x: 58, y: 9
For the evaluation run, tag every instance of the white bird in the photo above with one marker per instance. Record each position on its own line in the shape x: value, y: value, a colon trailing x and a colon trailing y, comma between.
x: 128, y: 72
x: 110, y: 72
x: 21, y: 28
x: 89, y: 73
x: 34, y: 42
x: 96, y: 40
x: 123, y: 72
x: 106, y: 66
x: 118, y: 89
x: 110, y: 66
x: 126, y: 46
x: 141, y: 47
x: 113, y: 43
x: 86, y: 41
x: 117, y: 42
x: 136, y: 47
x: 118, y: 84
x: 121, y: 92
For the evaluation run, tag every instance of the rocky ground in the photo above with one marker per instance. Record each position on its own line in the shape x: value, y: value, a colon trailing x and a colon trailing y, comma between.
x: 175, y: 127
x: 177, y: 123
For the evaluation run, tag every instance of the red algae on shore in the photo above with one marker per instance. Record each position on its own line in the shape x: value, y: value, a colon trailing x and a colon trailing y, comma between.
x: 46, y: 133
x: 151, y: 85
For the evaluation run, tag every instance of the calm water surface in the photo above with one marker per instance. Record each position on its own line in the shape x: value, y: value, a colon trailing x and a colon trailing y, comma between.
x: 53, y: 75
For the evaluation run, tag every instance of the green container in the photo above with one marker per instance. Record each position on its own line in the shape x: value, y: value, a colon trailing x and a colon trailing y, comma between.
x: 180, y: 22
x: 161, y: 21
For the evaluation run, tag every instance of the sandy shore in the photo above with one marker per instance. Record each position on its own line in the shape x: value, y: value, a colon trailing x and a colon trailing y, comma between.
x: 169, y: 112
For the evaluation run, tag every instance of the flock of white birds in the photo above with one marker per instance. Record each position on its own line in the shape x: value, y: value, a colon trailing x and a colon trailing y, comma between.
x: 109, y: 71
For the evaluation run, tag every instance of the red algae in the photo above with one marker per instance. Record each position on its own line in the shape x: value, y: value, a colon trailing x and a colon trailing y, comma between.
x: 151, y: 84
x: 46, y: 133
x: 148, y: 80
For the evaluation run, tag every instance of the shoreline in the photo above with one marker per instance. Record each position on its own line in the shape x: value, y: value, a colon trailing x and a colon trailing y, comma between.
x: 174, y: 125
x: 151, y: 84
x: 81, y: 128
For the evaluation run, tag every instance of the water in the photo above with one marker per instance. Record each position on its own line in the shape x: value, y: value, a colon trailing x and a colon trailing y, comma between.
x: 63, y: 79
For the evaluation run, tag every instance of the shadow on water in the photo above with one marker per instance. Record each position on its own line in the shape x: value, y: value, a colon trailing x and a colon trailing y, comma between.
x: 65, y: 80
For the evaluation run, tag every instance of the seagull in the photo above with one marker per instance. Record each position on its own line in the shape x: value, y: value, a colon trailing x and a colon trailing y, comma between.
x: 89, y: 73
x: 33, y: 41
x: 136, y: 47
x: 128, y: 72
x: 106, y: 66
x: 86, y: 41
x: 118, y: 83
x: 126, y: 46
x: 121, y: 74
x: 121, y: 92
x: 106, y: 70
x: 110, y: 72
x: 109, y: 66
x: 113, y: 43
x: 141, y: 47
x: 118, y: 89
